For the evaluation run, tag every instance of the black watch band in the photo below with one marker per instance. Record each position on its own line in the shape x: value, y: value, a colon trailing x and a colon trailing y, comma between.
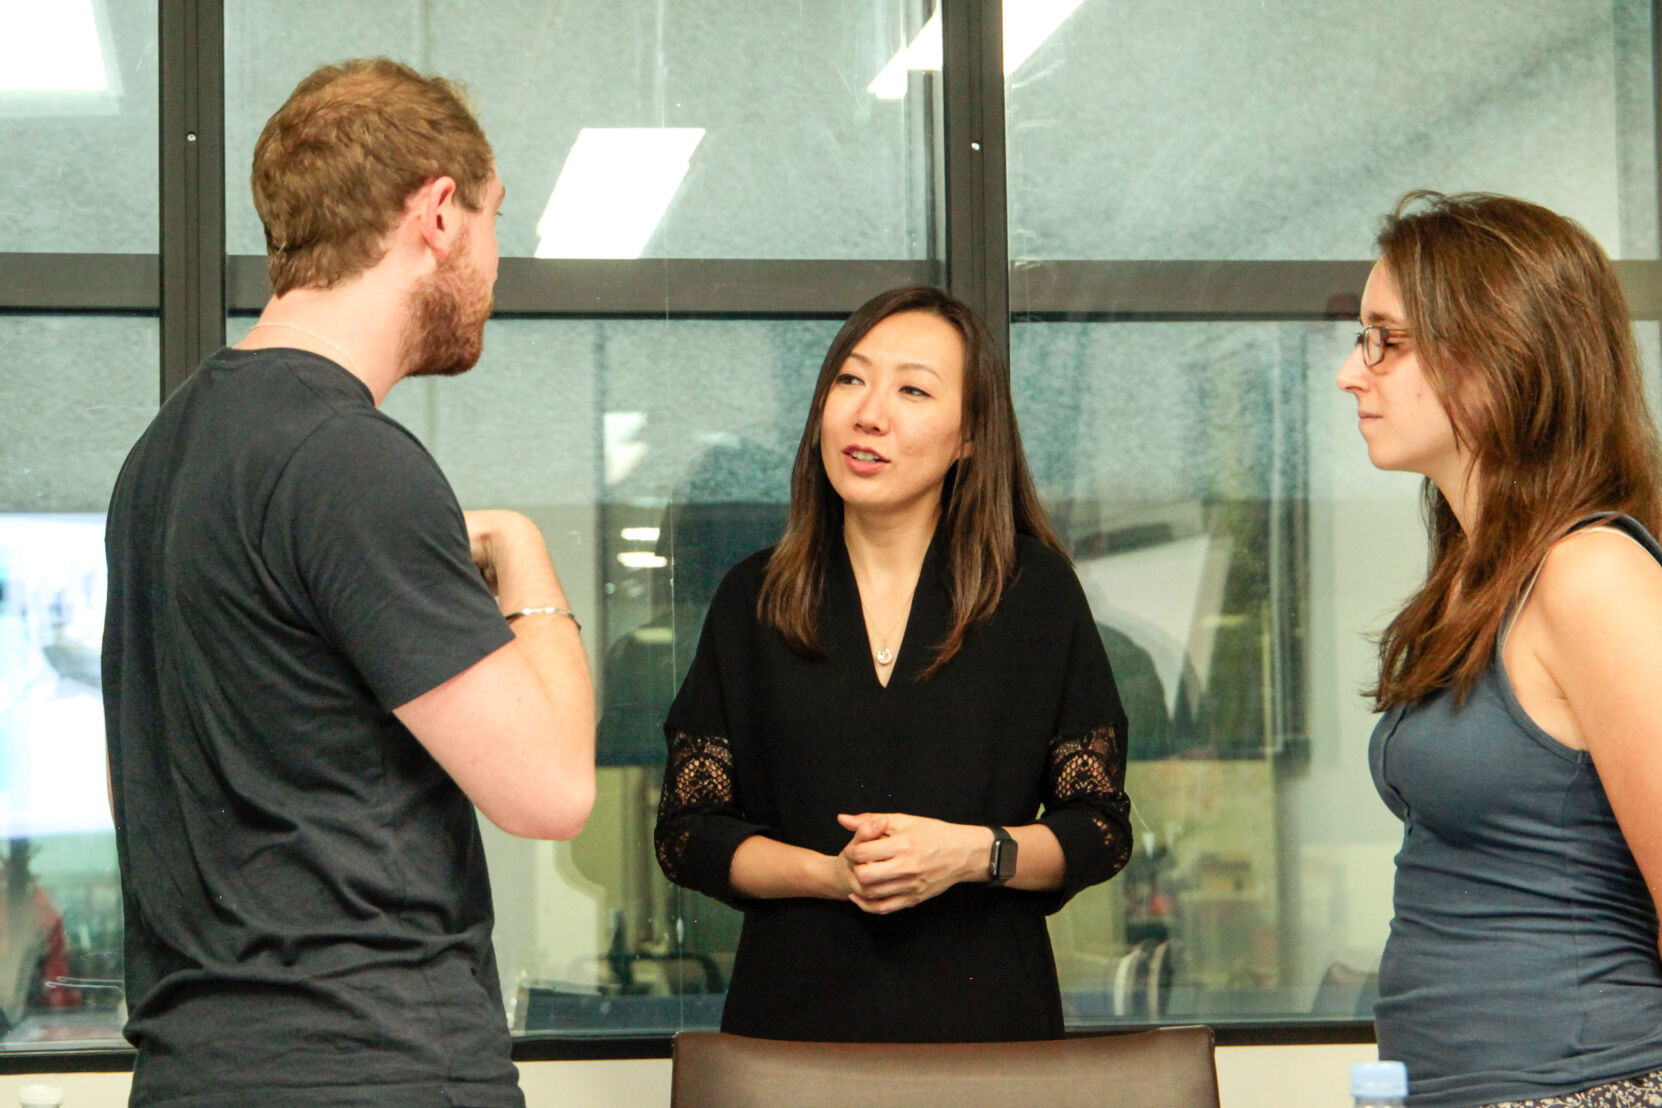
x: 1001, y: 863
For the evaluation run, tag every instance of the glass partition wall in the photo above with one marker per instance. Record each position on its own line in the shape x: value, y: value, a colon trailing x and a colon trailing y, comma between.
x: 78, y: 378
x: 1167, y: 216
x: 1186, y: 195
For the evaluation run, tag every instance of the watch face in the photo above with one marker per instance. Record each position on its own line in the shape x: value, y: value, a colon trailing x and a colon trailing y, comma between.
x: 1002, y: 864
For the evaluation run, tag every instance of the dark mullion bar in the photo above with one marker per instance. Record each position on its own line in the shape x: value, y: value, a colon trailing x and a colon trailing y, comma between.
x: 934, y: 135
x: 98, y: 1058
x: 1656, y: 100
x: 601, y: 1046
x: 1642, y: 285
x: 78, y: 283
x: 1175, y: 290
x: 699, y: 287
x: 1204, y: 290
x: 679, y: 288
x: 1191, y: 289
x: 192, y: 167
x: 977, y: 235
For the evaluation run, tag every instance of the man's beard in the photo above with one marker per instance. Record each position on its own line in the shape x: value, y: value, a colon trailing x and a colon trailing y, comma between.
x: 448, y: 310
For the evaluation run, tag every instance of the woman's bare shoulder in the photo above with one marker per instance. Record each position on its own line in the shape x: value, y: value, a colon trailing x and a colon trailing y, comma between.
x: 1599, y: 575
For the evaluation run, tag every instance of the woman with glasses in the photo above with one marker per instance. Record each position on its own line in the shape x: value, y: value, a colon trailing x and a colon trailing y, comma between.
x: 1521, y: 741
x: 881, y: 704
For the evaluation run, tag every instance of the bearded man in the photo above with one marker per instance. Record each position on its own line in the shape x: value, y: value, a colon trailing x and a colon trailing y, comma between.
x: 307, y: 678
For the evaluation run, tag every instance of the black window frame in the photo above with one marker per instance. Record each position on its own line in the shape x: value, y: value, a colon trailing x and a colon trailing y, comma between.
x: 191, y: 285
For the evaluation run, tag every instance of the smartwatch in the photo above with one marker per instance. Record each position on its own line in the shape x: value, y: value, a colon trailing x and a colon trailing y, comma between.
x: 1001, y: 863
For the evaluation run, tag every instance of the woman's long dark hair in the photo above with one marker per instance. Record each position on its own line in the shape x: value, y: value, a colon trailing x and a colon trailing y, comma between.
x: 987, y: 499
x: 1523, y: 333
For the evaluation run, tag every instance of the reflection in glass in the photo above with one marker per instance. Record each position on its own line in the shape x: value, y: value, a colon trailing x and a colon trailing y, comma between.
x: 654, y: 455
x: 1173, y: 457
x: 1205, y: 481
x: 1238, y: 549
x: 796, y: 160
x: 52, y: 587
x: 78, y: 111
x: 1282, y: 130
x: 60, y: 917
x: 1026, y: 27
x: 53, y: 47
x: 613, y: 190
x: 88, y: 385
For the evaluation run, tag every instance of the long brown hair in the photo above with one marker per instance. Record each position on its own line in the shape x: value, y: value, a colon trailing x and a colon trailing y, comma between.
x: 1522, y: 332
x: 986, y: 501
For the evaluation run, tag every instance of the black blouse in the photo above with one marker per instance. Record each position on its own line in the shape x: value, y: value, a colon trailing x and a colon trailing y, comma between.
x: 763, y: 741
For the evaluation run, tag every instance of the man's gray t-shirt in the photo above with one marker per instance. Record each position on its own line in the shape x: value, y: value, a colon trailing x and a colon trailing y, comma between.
x: 308, y: 913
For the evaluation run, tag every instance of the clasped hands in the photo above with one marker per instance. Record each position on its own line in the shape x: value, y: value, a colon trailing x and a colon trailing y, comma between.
x: 895, y: 861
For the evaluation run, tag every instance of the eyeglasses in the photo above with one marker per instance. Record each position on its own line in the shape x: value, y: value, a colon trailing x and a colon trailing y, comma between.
x: 1373, y: 341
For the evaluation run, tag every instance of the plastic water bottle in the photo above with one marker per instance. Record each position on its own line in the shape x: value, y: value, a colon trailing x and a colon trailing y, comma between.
x: 1379, y: 1084
x: 40, y: 1096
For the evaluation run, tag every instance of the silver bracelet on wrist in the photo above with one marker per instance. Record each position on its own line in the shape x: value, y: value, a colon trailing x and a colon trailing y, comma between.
x: 549, y: 611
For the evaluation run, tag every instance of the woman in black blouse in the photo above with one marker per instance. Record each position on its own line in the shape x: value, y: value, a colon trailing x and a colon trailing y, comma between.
x: 882, y: 703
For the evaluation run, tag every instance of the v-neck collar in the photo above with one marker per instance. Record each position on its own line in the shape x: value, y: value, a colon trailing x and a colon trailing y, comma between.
x: 925, y: 626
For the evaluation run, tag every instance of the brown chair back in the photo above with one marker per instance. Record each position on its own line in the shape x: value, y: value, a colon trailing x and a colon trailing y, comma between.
x: 1167, y: 1068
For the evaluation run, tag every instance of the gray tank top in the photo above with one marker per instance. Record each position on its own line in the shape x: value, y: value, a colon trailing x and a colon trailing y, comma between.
x: 1522, y: 960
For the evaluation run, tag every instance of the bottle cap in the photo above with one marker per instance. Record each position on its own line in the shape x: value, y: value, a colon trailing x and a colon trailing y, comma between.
x: 1379, y: 1080
x: 41, y: 1096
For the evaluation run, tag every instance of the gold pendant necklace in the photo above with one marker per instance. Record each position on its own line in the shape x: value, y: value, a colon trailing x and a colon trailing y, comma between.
x: 884, y: 655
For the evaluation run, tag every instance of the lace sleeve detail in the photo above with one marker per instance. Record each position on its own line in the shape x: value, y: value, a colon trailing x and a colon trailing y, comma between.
x: 1085, y: 793
x: 698, y: 783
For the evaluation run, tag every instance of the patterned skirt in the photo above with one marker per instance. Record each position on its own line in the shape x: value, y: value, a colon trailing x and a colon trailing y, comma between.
x: 1629, y: 1092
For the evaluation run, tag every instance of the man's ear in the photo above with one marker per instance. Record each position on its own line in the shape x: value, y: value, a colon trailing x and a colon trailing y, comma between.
x: 434, y: 210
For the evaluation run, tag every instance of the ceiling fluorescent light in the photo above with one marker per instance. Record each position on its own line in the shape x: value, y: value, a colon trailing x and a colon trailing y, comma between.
x: 1027, y: 24
x: 621, y: 445
x: 614, y: 189
x: 51, y: 47
x: 924, y: 53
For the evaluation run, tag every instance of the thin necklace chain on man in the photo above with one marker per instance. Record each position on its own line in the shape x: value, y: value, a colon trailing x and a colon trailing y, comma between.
x: 346, y: 359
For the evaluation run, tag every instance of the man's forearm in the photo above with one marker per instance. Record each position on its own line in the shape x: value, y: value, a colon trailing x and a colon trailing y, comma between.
x: 525, y: 578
